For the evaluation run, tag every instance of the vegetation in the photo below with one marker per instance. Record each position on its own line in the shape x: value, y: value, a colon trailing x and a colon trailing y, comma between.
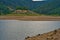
x: 4, y: 9
x: 51, y: 8
x: 23, y: 14
x: 21, y: 8
x: 46, y: 10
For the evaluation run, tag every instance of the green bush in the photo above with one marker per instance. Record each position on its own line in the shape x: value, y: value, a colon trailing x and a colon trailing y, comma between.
x: 21, y: 8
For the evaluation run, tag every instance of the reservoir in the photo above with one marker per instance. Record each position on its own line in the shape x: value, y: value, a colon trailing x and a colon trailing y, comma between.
x: 18, y: 30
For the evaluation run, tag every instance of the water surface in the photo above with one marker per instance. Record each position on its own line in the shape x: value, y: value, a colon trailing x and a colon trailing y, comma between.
x: 18, y: 30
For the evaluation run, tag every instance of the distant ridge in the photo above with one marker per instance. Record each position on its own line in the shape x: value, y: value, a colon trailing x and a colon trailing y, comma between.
x: 27, y: 3
x: 49, y: 8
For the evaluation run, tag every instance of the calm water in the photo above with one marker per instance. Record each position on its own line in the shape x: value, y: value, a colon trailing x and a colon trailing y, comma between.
x: 18, y: 30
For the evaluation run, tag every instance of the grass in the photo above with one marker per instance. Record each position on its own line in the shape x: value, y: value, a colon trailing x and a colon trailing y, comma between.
x: 29, y: 14
x: 22, y: 14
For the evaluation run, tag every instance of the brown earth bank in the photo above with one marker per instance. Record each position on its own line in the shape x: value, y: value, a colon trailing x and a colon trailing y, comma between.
x: 53, y: 35
x: 31, y: 18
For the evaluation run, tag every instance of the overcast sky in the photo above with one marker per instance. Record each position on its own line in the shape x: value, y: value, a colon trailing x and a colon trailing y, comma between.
x: 38, y: 0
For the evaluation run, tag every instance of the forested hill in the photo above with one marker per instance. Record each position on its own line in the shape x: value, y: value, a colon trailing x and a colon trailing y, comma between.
x: 7, y: 6
x: 49, y: 8
x: 4, y: 9
x: 26, y: 3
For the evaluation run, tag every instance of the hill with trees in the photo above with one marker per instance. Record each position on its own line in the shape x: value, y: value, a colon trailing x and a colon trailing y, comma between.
x: 51, y: 7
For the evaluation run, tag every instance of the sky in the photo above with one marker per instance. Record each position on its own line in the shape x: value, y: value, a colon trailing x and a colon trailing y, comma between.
x: 38, y: 0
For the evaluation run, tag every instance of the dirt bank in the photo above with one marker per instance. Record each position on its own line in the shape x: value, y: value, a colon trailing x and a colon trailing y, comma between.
x: 31, y: 18
x: 53, y: 35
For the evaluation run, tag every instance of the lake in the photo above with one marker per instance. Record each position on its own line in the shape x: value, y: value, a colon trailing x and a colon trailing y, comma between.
x: 18, y: 30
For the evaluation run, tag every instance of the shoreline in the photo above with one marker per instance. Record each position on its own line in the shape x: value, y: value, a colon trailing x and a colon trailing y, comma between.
x: 31, y: 18
x: 52, y: 35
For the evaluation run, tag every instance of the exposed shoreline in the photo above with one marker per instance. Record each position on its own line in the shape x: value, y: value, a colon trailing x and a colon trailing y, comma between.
x: 53, y: 35
x: 31, y: 18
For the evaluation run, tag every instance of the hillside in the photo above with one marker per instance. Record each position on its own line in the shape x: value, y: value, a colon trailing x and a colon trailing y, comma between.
x: 49, y: 8
x: 19, y: 11
x: 4, y: 9
x: 53, y: 35
x: 23, y: 13
x: 26, y: 3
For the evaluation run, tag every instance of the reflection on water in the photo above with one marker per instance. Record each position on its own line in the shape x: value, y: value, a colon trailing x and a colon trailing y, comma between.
x: 18, y: 30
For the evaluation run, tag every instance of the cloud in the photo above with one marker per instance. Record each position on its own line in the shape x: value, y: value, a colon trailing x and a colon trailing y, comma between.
x: 38, y: 0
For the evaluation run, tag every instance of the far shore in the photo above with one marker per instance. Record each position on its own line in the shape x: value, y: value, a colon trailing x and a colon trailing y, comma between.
x: 31, y: 18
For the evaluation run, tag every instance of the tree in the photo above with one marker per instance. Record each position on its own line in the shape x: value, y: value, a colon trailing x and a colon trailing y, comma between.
x: 21, y: 8
x: 4, y: 9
